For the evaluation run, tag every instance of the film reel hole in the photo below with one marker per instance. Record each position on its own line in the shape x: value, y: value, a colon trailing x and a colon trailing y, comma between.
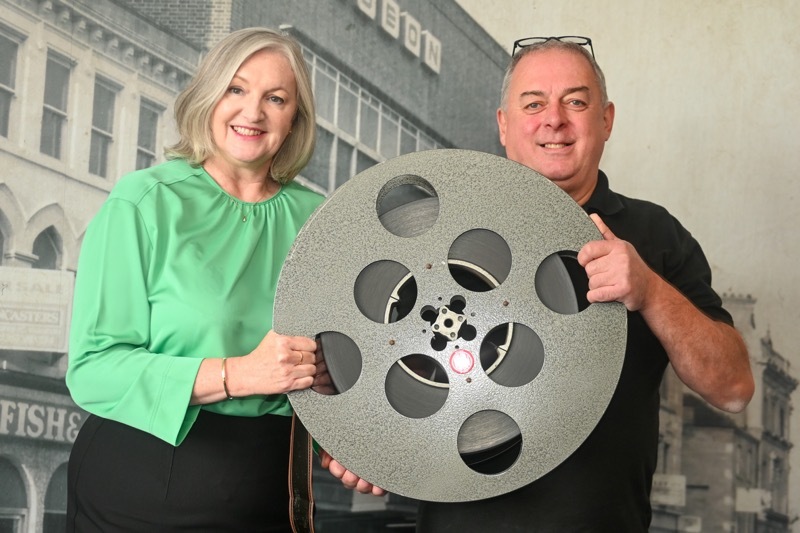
x: 342, y: 359
x: 385, y: 291
x: 479, y: 260
x: 407, y: 205
x: 489, y: 442
x: 512, y: 354
x: 416, y: 386
x: 562, y: 284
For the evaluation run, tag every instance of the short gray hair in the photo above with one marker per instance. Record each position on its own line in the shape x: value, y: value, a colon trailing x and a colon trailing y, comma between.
x: 550, y: 45
x: 195, y: 105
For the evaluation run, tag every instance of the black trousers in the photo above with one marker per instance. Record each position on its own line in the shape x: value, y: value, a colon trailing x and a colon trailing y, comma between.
x: 229, y: 475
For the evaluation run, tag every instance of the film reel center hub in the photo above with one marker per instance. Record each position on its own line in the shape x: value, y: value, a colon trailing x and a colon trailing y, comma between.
x: 450, y: 310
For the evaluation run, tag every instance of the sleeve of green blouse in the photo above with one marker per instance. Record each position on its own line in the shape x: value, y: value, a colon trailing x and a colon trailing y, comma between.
x: 110, y: 372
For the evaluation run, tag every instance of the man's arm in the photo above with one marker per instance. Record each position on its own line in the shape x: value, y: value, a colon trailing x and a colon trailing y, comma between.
x: 708, y: 355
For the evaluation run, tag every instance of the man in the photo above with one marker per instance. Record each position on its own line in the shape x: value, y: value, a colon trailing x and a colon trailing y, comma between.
x: 555, y: 117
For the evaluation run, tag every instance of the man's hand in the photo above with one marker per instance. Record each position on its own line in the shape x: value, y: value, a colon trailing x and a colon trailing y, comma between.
x: 616, y: 271
x: 349, y: 479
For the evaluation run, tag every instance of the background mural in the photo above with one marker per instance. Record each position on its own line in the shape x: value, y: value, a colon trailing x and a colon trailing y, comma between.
x: 706, y: 125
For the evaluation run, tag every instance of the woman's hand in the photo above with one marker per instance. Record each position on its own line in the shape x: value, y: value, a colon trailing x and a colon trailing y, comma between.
x: 279, y: 364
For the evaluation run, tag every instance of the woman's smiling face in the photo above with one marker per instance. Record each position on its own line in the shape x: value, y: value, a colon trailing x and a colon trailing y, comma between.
x: 253, y: 118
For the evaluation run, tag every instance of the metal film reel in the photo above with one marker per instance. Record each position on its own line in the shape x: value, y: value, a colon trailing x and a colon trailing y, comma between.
x: 445, y: 293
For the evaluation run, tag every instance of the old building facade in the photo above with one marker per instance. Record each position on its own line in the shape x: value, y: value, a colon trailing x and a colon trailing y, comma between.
x: 86, y: 90
x: 86, y: 95
x: 737, y: 466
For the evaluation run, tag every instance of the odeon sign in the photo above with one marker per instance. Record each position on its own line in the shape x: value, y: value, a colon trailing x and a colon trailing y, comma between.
x: 404, y: 27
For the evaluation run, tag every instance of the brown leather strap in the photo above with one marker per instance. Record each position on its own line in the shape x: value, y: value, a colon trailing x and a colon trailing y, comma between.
x: 301, y: 495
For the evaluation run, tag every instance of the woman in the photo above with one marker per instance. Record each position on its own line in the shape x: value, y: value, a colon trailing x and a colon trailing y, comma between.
x: 170, y: 347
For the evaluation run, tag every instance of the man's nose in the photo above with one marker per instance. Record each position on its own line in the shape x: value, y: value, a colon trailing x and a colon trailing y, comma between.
x: 554, y: 116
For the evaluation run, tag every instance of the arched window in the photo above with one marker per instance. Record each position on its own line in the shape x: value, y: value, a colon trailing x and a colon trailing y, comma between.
x: 55, y: 502
x: 13, y: 499
x: 47, y: 247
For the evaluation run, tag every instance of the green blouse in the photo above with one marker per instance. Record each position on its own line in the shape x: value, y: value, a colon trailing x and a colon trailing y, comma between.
x: 173, y: 270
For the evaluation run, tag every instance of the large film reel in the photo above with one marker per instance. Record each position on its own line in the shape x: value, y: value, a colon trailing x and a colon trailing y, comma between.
x: 444, y: 290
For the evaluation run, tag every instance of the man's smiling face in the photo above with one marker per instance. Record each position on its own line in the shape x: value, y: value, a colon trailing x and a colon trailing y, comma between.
x: 554, y: 120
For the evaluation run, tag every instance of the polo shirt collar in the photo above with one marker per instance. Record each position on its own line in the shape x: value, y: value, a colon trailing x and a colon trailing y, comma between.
x: 603, y: 200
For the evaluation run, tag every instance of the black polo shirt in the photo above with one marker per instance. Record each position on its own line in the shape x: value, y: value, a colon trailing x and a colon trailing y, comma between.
x: 605, y: 485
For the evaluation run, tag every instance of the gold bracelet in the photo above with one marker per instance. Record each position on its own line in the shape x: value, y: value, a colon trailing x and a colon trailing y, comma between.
x: 225, y: 379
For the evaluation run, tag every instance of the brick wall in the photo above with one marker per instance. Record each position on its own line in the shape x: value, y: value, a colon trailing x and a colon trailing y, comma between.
x: 201, y: 22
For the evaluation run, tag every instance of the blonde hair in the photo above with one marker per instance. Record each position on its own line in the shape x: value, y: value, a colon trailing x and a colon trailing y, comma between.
x: 195, y: 105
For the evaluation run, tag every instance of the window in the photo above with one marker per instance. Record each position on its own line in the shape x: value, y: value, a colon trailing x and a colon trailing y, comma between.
x: 13, y: 497
x: 368, y: 132
x: 744, y: 522
x: 102, y: 127
x: 363, y: 162
x: 355, y: 129
x: 408, y: 139
x: 779, y: 484
x: 55, y: 502
x: 425, y: 142
x: 325, y: 92
x: 738, y: 461
x: 56, y: 90
x: 344, y: 155
x: 148, y: 129
x: 8, y: 75
x: 390, y: 124
x: 47, y: 249
x: 347, y: 110
x: 317, y: 169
